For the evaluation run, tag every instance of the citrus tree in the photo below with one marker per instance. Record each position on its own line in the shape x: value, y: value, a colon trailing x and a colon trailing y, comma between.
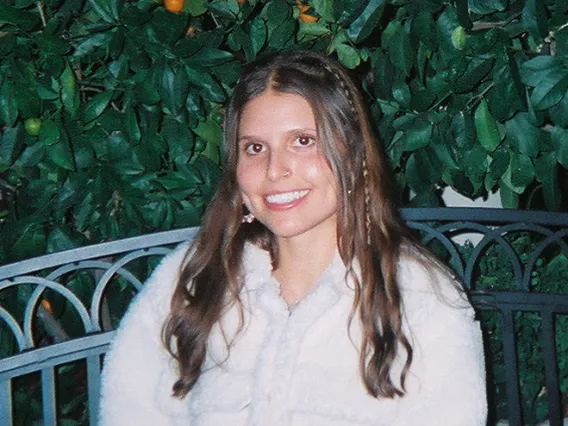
x: 111, y: 110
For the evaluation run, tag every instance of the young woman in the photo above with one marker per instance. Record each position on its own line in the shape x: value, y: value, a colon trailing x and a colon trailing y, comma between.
x: 304, y: 300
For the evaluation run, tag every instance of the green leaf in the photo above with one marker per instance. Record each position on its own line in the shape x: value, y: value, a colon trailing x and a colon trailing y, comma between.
x: 417, y: 136
x: 282, y: 34
x: 424, y: 28
x: 509, y: 199
x: 278, y: 12
x: 474, y: 164
x: 522, y: 135
x: 167, y: 27
x: 463, y: 130
x: 348, y: 56
x: 49, y: 133
x: 223, y: 9
x: 487, y: 131
x: 416, y: 171
x: 31, y: 156
x: 102, y: 9
x: 446, y: 24
x: 8, y: 106
x: 59, y: 239
x: 48, y: 44
x: 61, y: 154
x: 507, y: 97
x: 210, y: 89
x: 209, y: 131
x: 69, y: 94
x: 537, y: 70
x: 257, y: 34
x: 30, y: 240
x: 400, y: 49
x: 96, y: 106
x: 562, y: 42
x: 179, y: 140
x: 212, y: 152
x: 311, y: 30
x: 146, y: 93
x: 485, y: 7
x: 131, y: 125
x: 559, y: 112
x: 130, y: 165
x: 209, y: 57
x: 383, y: 75
x: 520, y: 172
x: 364, y: 25
x: 401, y: 93
x: 324, y: 8
x: 550, y: 91
x: 11, y: 144
x: 116, y: 43
x: 498, y: 164
x: 118, y: 146
x: 534, y: 18
x: 174, y: 87
x: 27, y: 21
x: 91, y: 43
x: 445, y: 155
x: 195, y: 7
x: 560, y: 142
x: 475, y: 71
x: 545, y: 170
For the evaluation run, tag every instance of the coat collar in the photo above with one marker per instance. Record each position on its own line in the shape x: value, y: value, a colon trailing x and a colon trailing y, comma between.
x: 257, y: 268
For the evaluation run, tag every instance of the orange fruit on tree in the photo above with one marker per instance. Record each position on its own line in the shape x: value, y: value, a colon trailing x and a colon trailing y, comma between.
x: 304, y: 17
x: 174, y: 6
x: 302, y: 7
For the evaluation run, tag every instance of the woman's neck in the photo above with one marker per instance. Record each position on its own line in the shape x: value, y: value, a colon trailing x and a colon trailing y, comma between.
x: 300, y: 264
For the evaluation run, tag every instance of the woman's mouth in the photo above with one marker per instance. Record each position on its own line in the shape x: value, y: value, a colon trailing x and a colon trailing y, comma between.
x: 286, y: 197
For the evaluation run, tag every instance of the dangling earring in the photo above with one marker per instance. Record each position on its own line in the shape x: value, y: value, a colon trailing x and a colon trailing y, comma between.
x: 248, y: 217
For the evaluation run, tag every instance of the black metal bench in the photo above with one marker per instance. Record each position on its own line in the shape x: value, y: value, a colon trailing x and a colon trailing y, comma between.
x: 514, y: 265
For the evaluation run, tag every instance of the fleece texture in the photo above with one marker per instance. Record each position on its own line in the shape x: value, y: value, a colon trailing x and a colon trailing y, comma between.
x: 298, y: 367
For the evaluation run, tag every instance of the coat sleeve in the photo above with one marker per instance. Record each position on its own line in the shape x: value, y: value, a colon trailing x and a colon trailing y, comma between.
x: 138, y: 372
x: 446, y: 381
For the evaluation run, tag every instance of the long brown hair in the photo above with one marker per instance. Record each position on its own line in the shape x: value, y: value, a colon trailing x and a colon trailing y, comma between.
x: 370, y: 232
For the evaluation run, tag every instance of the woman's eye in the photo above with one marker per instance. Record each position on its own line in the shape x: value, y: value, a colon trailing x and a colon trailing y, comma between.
x: 254, y: 148
x: 304, y: 141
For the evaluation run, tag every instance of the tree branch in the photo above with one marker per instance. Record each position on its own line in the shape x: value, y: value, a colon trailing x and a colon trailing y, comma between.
x: 41, y: 13
x: 478, y: 25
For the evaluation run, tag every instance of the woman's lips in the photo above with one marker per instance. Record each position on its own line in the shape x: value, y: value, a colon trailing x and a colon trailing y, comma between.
x: 285, y: 200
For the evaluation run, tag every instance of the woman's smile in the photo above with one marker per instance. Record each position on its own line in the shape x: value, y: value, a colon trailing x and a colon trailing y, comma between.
x: 285, y: 198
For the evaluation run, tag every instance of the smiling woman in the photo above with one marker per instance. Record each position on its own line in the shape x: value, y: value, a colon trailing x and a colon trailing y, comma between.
x: 304, y: 300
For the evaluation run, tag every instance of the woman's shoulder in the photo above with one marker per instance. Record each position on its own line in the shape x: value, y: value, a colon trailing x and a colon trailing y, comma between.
x: 428, y: 286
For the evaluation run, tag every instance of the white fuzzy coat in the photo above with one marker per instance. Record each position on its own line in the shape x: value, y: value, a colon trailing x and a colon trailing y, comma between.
x: 298, y: 368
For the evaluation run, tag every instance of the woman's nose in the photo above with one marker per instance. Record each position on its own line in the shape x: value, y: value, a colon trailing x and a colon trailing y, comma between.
x: 279, y: 166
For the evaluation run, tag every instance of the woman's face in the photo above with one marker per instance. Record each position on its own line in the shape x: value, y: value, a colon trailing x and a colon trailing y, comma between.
x: 284, y: 179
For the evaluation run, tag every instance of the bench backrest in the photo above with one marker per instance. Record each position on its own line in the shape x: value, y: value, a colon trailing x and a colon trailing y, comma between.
x: 511, y: 265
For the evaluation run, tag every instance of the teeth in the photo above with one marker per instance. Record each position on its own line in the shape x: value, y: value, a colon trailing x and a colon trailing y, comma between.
x: 285, y: 197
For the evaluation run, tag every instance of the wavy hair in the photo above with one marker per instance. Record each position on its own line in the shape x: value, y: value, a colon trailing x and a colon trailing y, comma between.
x: 370, y: 232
